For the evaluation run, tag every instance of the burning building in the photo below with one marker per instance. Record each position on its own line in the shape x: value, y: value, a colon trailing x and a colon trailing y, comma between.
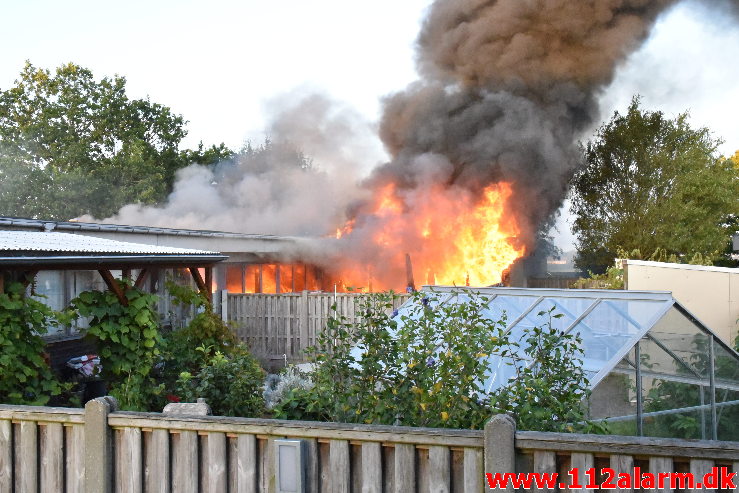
x: 481, y: 149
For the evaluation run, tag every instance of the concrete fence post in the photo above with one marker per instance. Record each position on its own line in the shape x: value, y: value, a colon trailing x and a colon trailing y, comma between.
x: 99, y: 445
x: 500, y: 446
x: 224, y: 305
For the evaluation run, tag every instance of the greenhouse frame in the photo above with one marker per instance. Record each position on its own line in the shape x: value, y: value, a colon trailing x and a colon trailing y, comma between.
x: 653, y: 368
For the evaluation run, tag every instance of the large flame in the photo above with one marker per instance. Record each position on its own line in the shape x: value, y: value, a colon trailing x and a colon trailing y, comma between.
x: 451, y: 237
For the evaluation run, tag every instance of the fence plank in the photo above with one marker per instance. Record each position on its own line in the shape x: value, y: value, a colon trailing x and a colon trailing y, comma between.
x: 75, y: 459
x: 582, y: 462
x: 247, y: 463
x: 6, y: 455
x: 340, y: 469
x: 624, y: 464
x: 473, y: 473
x: 129, y: 467
x: 371, y: 467
x: 405, y: 468
x: 658, y: 465
x: 312, y: 466
x: 27, y: 466
x: 157, y: 471
x: 216, y: 460
x: 545, y: 462
x: 440, y: 474
x: 185, y: 462
x: 267, y: 459
x: 698, y: 468
x: 52, y: 457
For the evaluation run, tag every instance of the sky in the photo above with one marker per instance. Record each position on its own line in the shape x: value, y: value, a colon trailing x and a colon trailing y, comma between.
x: 220, y: 63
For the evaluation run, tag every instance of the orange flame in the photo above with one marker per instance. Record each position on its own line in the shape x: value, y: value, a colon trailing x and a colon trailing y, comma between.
x: 451, y: 238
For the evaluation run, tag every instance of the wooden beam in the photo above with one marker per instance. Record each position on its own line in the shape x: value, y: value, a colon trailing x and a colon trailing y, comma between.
x: 126, y: 273
x: 2, y: 282
x: 28, y: 277
x: 209, y: 284
x: 141, y: 279
x: 410, y: 282
x: 198, y: 280
x: 112, y: 284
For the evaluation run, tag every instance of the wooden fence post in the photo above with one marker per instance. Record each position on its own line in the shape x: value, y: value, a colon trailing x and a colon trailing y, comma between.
x: 500, y: 446
x: 99, y: 445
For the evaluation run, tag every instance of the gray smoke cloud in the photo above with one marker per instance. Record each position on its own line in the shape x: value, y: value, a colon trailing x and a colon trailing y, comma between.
x: 301, y: 185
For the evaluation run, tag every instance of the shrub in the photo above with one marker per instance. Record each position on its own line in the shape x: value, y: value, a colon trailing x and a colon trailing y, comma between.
x: 232, y: 386
x: 278, y: 388
x: 25, y: 376
x: 428, y: 368
x: 128, y: 341
x: 548, y: 391
x: 191, y: 348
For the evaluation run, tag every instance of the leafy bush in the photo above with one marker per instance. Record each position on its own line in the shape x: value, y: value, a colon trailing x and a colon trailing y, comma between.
x: 232, y: 386
x: 278, y: 387
x: 428, y: 369
x: 25, y: 376
x: 191, y: 348
x: 550, y: 384
x: 205, y: 359
x: 128, y: 341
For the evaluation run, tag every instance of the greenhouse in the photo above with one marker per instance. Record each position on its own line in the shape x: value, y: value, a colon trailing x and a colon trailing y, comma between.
x: 653, y: 368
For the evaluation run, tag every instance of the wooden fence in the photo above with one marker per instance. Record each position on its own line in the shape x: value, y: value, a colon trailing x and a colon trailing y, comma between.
x: 103, y: 451
x: 277, y: 326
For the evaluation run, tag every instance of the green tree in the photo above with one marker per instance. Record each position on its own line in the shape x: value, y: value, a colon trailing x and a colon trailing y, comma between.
x: 652, y: 182
x: 73, y: 145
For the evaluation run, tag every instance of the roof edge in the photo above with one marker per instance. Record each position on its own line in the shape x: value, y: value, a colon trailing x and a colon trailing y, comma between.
x: 65, y: 226
x: 668, y: 265
x: 566, y: 293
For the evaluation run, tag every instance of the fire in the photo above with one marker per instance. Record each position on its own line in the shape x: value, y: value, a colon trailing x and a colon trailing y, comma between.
x: 451, y: 236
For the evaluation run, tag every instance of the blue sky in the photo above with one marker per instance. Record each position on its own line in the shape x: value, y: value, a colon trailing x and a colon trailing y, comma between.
x: 219, y: 62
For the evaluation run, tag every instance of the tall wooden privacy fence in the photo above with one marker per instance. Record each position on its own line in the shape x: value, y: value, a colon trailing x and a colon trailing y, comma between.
x: 103, y: 451
x: 277, y: 326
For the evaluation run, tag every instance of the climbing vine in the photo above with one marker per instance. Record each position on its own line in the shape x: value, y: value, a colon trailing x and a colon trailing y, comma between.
x: 25, y: 375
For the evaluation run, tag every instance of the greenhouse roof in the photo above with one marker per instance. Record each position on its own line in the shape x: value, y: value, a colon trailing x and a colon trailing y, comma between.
x: 646, y: 336
x: 609, y: 322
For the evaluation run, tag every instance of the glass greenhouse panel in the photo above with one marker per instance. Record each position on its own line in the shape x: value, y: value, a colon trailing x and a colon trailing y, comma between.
x: 727, y: 414
x: 614, y: 396
x: 611, y: 327
x: 685, y: 339
x: 543, y: 313
x: 500, y: 371
x: 676, y: 409
x: 656, y: 357
x: 726, y: 366
x: 509, y: 306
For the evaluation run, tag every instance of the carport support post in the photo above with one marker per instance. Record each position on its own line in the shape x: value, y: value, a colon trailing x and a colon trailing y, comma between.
x: 99, y: 445
x: 500, y: 447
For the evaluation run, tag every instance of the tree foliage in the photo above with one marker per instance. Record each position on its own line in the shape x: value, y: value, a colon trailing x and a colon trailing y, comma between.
x: 73, y: 145
x: 652, y: 182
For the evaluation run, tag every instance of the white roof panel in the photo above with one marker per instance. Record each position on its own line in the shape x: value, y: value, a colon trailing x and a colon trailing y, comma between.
x: 24, y: 241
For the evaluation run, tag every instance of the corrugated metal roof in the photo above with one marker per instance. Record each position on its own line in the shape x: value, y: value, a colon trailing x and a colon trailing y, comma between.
x: 121, y: 228
x: 31, y: 241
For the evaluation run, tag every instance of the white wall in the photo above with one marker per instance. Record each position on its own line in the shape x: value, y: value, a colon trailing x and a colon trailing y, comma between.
x: 709, y: 293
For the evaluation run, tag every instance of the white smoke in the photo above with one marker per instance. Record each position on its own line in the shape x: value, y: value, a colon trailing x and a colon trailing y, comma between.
x: 300, y: 182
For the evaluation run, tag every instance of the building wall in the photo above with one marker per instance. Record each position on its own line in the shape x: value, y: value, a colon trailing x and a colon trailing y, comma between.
x: 709, y: 293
